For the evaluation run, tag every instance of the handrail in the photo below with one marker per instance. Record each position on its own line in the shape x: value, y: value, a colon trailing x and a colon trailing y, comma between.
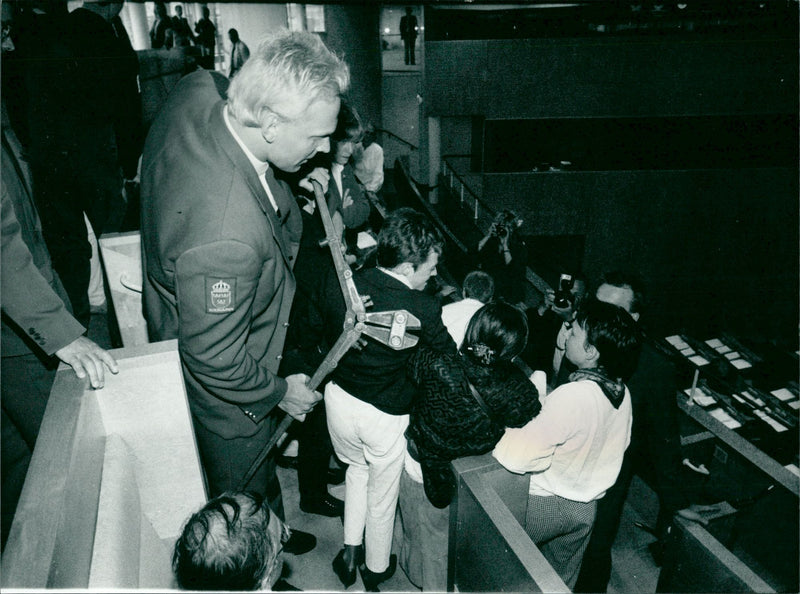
x: 392, y: 134
x: 430, y: 211
x: 448, y: 171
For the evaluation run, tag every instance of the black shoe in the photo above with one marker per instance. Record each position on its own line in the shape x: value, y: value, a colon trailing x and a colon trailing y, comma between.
x: 345, y: 569
x: 336, y: 476
x: 372, y: 580
x: 327, y: 506
x: 283, y: 586
x: 287, y: 462
x: 300, y: 542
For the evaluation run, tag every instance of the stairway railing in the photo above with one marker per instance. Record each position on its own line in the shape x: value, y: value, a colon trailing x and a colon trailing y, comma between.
x: 483, y: 214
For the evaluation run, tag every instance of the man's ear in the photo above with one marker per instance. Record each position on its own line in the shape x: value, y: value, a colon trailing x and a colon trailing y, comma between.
x: 405, y: 269
x: 269, y: 125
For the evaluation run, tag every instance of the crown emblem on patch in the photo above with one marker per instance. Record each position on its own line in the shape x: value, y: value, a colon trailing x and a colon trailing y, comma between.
x: 221, y: 287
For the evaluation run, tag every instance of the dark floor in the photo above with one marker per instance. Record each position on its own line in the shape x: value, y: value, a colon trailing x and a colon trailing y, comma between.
x: 634, y: 569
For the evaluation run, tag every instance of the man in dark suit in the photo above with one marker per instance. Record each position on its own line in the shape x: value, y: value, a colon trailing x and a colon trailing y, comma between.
x: 38, y: 329
x: 82, y: 128
x: 408, y: 33
x: 220, y: 236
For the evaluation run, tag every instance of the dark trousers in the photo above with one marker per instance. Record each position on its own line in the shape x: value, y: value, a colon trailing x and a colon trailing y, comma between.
x: 596, y: 568
x: 226, y: 462
x: 83, y: 177
x: 26, y: 383
x: 410, y: 57
x: 313, y: 454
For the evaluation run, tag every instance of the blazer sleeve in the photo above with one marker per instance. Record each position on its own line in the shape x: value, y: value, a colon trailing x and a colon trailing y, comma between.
x: 434, y: 334
x: 357, y: 213
x: 27, y: 298
x: 213, y: 345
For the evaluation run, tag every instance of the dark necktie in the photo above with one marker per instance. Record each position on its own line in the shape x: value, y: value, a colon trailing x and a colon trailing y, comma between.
x: 282, y: 200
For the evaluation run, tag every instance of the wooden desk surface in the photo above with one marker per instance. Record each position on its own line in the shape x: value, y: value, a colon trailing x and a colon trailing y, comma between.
x: 73, y: 520
x: 761, y: 460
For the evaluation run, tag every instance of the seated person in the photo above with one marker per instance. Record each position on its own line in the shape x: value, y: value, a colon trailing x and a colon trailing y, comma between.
x: 574, y: 447
x: 477, y: 290
x: 233, y: 543
x: 463, y: 404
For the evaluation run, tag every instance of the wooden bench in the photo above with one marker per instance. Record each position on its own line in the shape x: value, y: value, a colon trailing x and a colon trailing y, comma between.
x: 489, y: 549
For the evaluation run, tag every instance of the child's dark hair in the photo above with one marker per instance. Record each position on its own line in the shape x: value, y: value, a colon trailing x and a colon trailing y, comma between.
x: 407, y: 236
x: 496, y: 333
x: 479, y: 285
x: 615, y: 335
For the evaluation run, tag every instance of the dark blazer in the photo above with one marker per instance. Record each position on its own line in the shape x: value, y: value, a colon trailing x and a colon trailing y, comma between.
x: 377, y: 374
x: 218, y: 262
x: 33, y: 299
x: 357, y: 213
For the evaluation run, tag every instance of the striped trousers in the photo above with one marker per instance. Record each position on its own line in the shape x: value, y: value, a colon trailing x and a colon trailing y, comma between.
x: 561, y: 529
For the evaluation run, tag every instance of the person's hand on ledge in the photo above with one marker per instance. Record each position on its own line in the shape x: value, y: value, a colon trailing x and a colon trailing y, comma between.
x: 87, y: 358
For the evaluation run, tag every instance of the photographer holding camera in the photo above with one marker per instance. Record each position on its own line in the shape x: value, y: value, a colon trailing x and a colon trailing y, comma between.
x: 545, y: 321
x: 503, y: 254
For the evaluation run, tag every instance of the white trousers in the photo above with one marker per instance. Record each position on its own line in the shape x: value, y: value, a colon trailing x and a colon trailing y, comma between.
x: 373, y: 445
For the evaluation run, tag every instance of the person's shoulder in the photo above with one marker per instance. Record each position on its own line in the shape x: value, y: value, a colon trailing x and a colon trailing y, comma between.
x: 579, y: 390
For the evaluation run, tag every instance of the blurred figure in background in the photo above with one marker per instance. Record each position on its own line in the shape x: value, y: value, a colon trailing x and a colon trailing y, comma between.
x: 368, y: 164
x: 206, y: 39
x: 477, y: 290
x: 503, y: 254
x: 239, y: 53
x: 162, y: 22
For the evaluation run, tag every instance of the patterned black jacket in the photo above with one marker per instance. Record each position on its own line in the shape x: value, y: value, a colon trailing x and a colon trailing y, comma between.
x: 446, y: 420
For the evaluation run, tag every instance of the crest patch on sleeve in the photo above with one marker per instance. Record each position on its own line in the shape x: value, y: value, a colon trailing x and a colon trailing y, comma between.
x: 220, y: 294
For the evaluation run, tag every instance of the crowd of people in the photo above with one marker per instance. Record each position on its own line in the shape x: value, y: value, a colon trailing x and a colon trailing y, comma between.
x: 235, y: 269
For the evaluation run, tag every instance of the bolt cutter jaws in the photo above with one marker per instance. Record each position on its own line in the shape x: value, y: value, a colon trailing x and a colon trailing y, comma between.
x: 389, y: 328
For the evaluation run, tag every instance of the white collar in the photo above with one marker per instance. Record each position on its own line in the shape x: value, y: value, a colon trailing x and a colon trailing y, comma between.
x: 261, y: 167
x: 399, y: 277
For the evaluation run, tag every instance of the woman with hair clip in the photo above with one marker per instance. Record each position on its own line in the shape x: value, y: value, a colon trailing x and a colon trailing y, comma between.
x: 464, y: 403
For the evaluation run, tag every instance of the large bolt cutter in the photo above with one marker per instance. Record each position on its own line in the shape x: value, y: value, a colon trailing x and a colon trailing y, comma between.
x: 386, y: 327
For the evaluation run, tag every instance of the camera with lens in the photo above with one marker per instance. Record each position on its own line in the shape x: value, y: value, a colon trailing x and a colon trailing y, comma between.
x: 504, y: 222
x: 564, y: 298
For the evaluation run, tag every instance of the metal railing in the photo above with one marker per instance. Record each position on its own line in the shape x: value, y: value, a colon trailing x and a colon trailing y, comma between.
x: 391, y: 134
x: 482, y: 213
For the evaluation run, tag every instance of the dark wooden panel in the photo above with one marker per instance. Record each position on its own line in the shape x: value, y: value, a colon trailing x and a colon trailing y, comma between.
x: 717, y: 248
x: 541, y: 78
